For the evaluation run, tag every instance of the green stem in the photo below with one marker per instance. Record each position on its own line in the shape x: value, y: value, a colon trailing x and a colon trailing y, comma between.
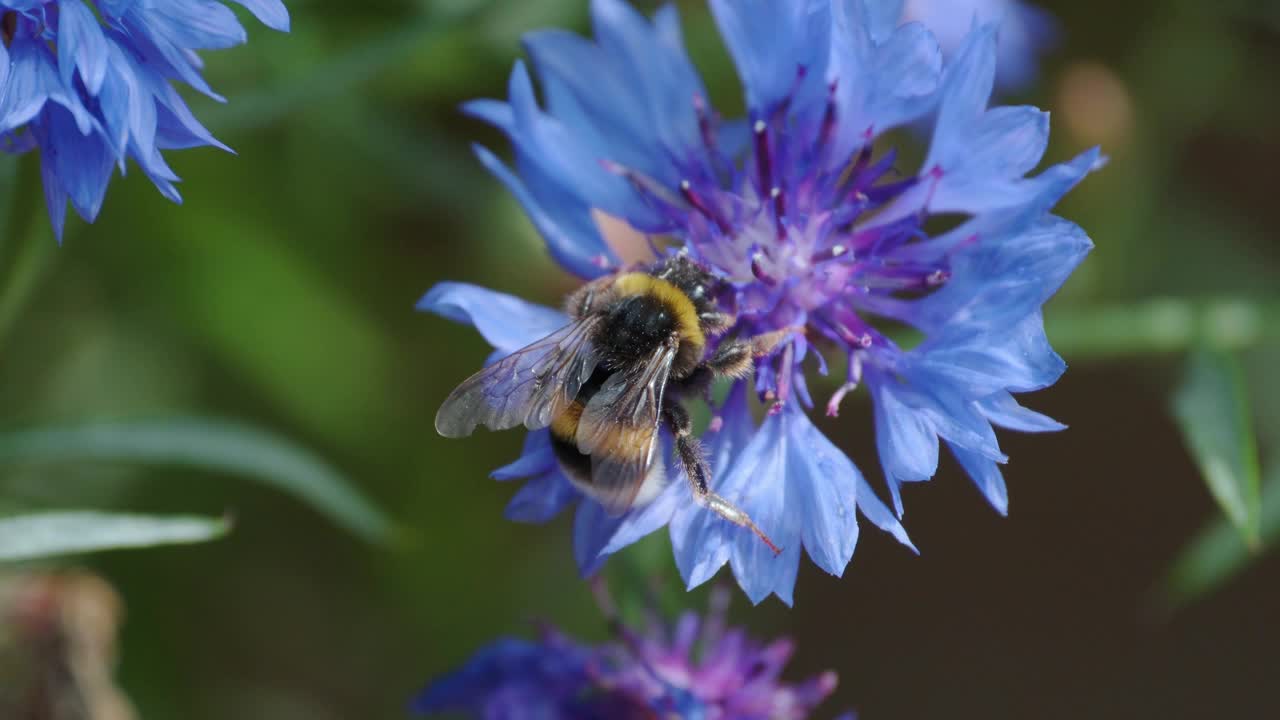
x: 34, y: 248
x: 1162, y: 325
x: 641, y: 582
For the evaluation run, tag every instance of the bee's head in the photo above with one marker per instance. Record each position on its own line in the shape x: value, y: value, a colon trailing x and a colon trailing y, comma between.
x: 694, y: 280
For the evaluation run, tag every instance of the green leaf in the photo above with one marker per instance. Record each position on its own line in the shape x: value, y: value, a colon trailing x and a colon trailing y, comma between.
x: 207, y: 445
x: 1212, y: 407
x: 46, y: 534
x: 1218, y: 552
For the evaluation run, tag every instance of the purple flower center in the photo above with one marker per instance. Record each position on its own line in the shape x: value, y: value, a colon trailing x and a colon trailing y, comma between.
x: 793, y: 231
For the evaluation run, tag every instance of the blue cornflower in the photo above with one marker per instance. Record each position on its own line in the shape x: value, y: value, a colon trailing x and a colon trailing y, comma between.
x: 1026, y: 32
x: 87, y: 83
x: 801, y: 211
x: 697, y: 670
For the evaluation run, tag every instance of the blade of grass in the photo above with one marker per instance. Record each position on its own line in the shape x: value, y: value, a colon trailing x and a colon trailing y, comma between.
x: 206, y: 444
x: 1212, y: 407
x: 49, y: 534
x: 1217, y: 553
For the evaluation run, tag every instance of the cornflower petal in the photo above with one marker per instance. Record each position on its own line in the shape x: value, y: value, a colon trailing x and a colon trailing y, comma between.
x: 81, y: 44
x: 542, y: 498
x: 901, y: 69
x: 1026, y: 32
x: 1001, y: 409
x: 986, y: 475
x: 777, y: 47
x: 506, y: 322
x: 271, y: 13
x: 573, y: 240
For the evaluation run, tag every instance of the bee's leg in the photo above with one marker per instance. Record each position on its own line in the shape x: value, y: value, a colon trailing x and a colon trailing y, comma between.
x: 764, y: 343
x: 694, y: 462
x: 733, y: 357
x: 715, y: 323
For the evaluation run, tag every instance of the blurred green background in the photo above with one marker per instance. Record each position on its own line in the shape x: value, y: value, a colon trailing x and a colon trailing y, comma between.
x: 281, y: 295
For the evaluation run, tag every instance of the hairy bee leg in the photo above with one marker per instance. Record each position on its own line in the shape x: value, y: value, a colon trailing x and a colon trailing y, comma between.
x: 696, y: 470
x: 734, y: 358
x: 764, y: 343
x: 715, y: 323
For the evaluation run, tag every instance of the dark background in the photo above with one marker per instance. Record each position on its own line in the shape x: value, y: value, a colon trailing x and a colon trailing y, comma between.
x: 282, y: 293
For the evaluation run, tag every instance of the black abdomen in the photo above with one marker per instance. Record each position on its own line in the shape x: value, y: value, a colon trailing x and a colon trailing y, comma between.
x: 574, y: 463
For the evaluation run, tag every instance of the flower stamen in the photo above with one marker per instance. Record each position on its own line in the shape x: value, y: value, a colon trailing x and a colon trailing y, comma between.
x: 828, y: 127
x: 852, y: 377
x: 828, y: 254
x: 706, y: 124
x: 779, y: 210
x: 757, y: 268
x: 764, y: 160
x: 694, y: 199
x: 643, y: 184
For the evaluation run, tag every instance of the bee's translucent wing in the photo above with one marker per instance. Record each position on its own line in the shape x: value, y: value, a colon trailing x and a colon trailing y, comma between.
x: 528, y: 387
x: 619, y: 430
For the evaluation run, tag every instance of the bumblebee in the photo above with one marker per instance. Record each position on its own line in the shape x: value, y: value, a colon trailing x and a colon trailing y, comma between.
x: 605, y: 383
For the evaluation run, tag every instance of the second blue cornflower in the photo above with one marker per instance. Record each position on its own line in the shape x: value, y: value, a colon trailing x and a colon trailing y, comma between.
x: 89, y: 85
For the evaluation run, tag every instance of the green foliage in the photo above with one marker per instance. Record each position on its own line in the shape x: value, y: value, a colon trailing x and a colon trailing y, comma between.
x: 211, y: 445
x: 1212, y: 408
x: 1162, y: 325
x: 51, y: 534
x: 1218, y: 552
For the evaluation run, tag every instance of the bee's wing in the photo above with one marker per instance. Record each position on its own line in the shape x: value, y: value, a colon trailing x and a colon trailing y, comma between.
x: 619, y: 430
x: 530, y: 386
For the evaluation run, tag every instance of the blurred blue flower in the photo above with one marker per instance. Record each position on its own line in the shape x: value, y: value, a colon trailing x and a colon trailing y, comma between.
x: 1025, y: 33
x: 696, y: 670
x: 87, y: 84
x: 802, y: 210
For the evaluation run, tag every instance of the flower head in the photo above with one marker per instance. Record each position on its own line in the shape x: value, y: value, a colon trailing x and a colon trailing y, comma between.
x: 1025, y: 32
x: 697, y: 669
x: 88, y: 84
x: 803, y: 211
